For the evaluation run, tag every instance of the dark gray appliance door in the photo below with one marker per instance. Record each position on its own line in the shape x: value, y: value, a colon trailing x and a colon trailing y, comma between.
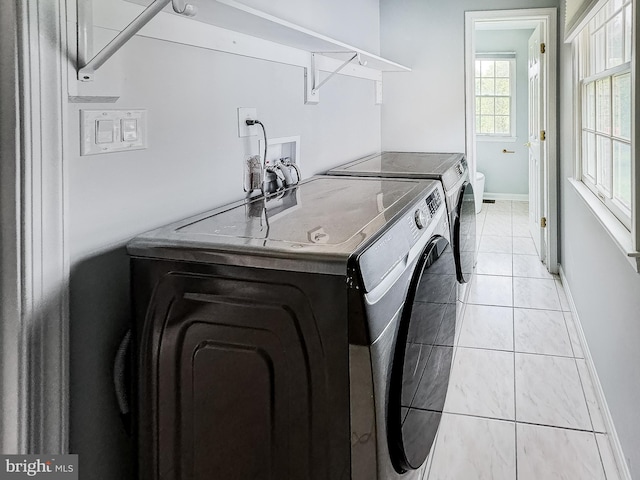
x: 423, y: 356
x: 464, y: 233
x: 234, y: 383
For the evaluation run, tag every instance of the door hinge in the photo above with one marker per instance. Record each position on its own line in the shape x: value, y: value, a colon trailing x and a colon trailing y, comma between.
x: 543, y: 135
x: 543, y: 222
x: 543, y: 48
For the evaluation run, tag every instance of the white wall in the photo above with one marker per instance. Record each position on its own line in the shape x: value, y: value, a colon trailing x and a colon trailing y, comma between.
x: 507, y: 173
x: 194, y: 162
x: 356, y: 23
x: 425, y: 110
x: 605, y: 288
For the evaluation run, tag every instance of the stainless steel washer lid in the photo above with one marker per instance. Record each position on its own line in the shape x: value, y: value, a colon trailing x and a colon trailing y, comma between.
x: 315, y: 226
x: 446, y: 166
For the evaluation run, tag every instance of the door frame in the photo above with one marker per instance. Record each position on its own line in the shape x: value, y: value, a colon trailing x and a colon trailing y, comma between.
x: 34, y: 261
x: 547, y: 17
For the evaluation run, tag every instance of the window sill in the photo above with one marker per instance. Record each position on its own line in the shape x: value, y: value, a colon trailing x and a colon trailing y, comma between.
x: 494, y: 139
x: 616, y: 230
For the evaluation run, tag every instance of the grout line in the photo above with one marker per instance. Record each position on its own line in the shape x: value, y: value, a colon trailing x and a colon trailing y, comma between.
x: 469, y: 415
x: 513, y: 329
x: 515, y: 387
x: 512, y: 275
x: 584, y: 395
x: 533, y: 424
x: 545, y: 355
x: 541, y: 309
x: 496, y: 274
x: 566, y: 326
x: 604, y: 470
x: 515, y: 306
x: 518, y: 422
x: 465, y: 347
x: 511, y: 306
x: 533, y: 278
x: 470, y: 347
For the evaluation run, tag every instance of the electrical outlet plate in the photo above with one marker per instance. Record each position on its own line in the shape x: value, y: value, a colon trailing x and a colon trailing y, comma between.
x: 244, y: 114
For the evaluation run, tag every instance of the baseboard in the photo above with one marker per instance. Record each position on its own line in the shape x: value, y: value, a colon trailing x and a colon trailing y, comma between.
x: 614, y: 441
x: 518, y: 197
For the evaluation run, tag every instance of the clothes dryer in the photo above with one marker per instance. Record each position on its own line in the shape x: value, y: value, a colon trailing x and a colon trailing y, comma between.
x: 452, y: 171
x: 305, y: 335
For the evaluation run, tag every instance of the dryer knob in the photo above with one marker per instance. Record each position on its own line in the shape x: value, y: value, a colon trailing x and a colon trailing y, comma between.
x: 421, y: 218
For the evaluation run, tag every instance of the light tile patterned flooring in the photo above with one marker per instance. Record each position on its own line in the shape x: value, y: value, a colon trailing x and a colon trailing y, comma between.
x: 521, y: 404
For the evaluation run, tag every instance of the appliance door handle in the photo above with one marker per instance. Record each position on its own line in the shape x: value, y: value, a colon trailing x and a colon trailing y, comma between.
x: 383, y: 287
x: 398, y: 270
x: 120, y: 380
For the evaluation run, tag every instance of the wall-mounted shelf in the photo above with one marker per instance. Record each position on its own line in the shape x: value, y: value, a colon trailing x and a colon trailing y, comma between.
x: 247, y: 29
x: 238, y: 17
x: 241, y: 18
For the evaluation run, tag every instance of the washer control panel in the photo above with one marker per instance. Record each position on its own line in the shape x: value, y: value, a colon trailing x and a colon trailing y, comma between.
x: 424, y: 212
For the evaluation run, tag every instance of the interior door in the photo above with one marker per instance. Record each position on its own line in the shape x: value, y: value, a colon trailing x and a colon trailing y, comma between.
x: 536, y: 137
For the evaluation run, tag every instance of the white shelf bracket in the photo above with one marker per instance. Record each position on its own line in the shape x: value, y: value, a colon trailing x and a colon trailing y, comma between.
x: 312, y: 78
x: 317, y: 86
x: 87, y: 71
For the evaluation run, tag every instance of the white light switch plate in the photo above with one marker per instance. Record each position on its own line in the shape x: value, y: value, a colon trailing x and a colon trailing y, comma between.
x: 129, y: 131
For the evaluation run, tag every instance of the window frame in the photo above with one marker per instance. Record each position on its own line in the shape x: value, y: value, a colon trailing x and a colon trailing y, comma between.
x: 626, y: 235
x: 587, y: 63
x: 623, y: 214
x: 499, y: 137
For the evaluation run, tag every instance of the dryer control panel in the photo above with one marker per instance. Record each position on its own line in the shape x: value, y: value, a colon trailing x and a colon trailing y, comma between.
x: 380, y: 258
x: 455, y: 173
x: 421, y: 215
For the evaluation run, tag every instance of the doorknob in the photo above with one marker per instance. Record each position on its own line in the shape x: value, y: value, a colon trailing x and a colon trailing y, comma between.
x: 528, y: 144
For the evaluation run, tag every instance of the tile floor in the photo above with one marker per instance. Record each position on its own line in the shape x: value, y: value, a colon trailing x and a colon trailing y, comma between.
x: 521, y: 404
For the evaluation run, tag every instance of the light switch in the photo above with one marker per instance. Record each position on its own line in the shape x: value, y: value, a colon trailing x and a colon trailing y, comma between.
x: 104, y: 131
x: 129, y: 129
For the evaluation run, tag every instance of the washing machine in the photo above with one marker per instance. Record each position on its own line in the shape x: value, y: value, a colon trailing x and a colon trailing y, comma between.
x: 303, y: 335
x: 452, y: 171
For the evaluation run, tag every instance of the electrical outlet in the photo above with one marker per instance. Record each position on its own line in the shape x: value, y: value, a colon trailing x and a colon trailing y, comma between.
x: 245, y: 114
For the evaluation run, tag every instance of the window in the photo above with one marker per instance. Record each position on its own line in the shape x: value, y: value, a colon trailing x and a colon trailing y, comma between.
x: 604, y: 70
x: 495, y: 88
